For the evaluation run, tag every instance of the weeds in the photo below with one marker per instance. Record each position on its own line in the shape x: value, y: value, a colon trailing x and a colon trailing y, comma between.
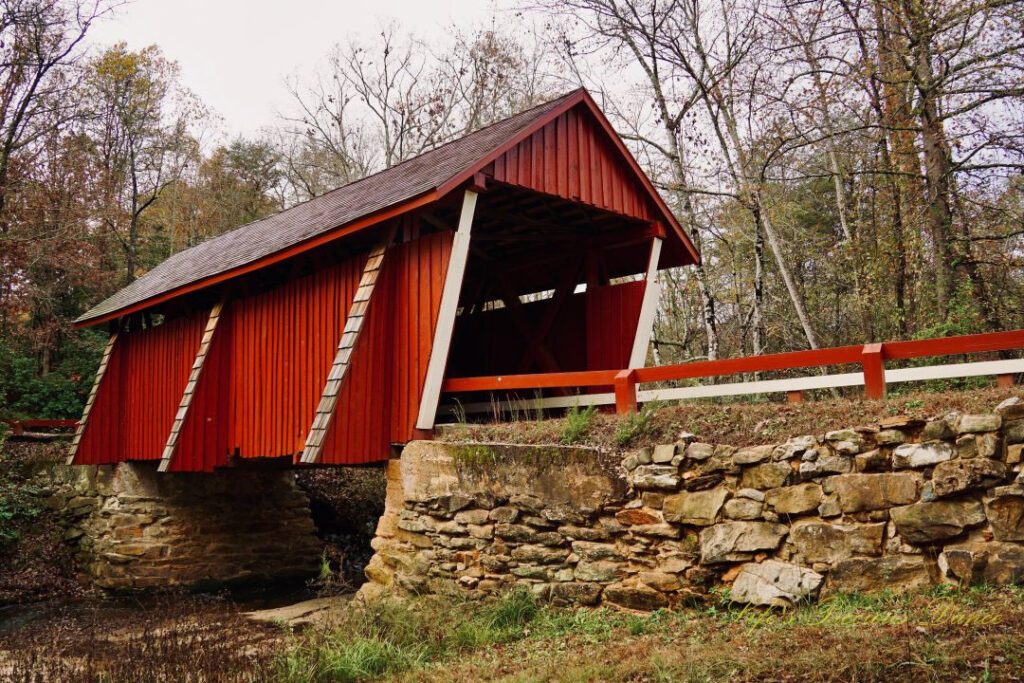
x: 636, y: 425
x: 388, y: 637
x: 576, y: 423
x: 17, y: 502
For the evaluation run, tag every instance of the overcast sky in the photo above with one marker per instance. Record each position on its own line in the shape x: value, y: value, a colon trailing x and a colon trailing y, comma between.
x: 236, y: 54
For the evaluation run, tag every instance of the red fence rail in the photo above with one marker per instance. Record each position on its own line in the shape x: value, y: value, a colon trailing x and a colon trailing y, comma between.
x: 871, y: 358
x: 18, y: 427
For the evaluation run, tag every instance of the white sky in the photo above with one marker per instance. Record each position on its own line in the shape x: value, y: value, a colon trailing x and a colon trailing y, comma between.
x: 236, y: 54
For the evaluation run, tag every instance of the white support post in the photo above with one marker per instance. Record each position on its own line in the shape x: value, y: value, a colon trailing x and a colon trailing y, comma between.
x: 648, y: 309
x: 446, y: 315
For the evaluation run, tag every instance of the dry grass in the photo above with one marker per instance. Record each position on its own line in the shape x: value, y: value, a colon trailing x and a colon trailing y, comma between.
x: 714, y: 646
x: 166, y: 638
x: 515, y: 639
x: 741, y: 423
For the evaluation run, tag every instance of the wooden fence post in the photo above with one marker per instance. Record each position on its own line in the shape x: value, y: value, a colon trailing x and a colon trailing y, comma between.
x: 625, y: 392
x: 1004, y: 381
x: 874, y: 371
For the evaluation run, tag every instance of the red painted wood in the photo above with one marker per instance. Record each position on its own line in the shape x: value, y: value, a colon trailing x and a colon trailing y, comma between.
x: 137, y: 400
x: 612, y: 315
x: 870, y: 356
x: 968, y: 343
x: 379, y: 402
x: 874, y: 371
x: 625, y: 392
x: 205, y: 439
x: 570, y: 157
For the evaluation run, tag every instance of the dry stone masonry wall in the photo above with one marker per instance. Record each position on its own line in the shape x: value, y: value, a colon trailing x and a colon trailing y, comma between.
x: 136, y: 529
x: 901, y: 505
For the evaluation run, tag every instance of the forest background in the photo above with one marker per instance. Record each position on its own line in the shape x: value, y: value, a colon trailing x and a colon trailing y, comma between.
x: 851, y: 170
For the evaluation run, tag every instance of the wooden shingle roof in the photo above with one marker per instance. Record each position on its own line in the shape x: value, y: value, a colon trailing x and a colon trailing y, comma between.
x: 346, y: 209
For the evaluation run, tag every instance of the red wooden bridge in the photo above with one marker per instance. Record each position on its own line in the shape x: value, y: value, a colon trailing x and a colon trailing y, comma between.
x: 323, y: 334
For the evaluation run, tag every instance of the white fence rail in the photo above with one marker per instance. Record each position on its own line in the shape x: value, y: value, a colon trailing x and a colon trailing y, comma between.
x: 771, y: 386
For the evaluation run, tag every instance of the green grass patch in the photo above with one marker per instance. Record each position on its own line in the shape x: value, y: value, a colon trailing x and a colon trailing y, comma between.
x: 576, y: 424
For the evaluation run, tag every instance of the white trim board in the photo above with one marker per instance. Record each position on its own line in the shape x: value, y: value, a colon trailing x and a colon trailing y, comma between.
x: 848, y: 379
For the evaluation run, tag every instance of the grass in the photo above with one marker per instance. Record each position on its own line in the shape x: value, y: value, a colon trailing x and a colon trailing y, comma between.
x: 515, y: 638
x: 634, y: 426
x: 736, y: 422
x: 576, y: 423
x: 391, y: 636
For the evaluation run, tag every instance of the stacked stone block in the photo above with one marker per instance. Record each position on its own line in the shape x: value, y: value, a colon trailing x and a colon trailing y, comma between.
x: 136, y: 529
x: 899, y: 505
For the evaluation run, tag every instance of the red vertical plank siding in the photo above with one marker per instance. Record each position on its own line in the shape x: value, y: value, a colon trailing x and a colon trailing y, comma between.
x: 570, y: 157
x: 278, y: 359
x: 380, y: 397
x: 612, y: 315
x: 204, y: 441
x: 137, y: 400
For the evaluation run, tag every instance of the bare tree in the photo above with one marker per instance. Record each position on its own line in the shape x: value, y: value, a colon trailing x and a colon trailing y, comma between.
x: 379, y: 104
x: 40, y: 42
x: 141, y: 119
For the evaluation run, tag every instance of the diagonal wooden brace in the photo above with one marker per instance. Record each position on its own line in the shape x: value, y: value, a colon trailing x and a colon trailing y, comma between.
x: 190, y: 387
x: 100, y: 374
x: 343, y: 358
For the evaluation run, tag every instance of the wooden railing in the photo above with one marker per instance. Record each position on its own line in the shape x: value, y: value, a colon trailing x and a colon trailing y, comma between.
x: 870, y: 357
x: 19, y: 427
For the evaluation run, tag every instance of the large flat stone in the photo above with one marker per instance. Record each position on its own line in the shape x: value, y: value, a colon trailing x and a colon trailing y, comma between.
x: 974, y: 424
x: 897, y: 573
x: 655, y: 477
x: 736, y: 541
x: 794, y: 500
x: 699, y: 508
x: 1006, y: 513
x: 928, y: 522
x: 767, y: 475
x: 775, y: 584
x: 916, y: 455
x: 638, y: 597
x: 954, y: 476
x: 864, y: 492
x: 599, y: 570
x: 999, y: 564
x: 578, y: 477
x: 751, y: 455
x: 743, y: 508
x: 823, y: 542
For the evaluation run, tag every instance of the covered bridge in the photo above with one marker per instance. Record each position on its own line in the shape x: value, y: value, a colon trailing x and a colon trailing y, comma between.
x: 322, y: 334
